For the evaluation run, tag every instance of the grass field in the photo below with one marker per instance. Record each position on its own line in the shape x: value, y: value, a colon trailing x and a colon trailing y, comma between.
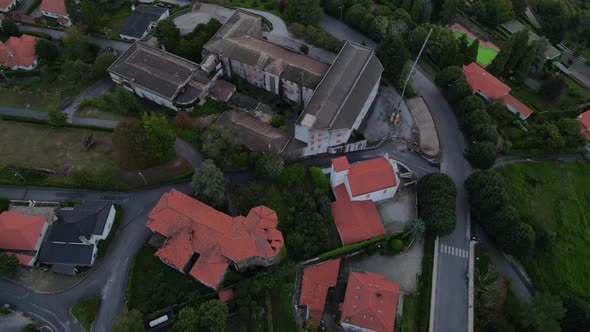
x: 85, y: 311
x: 37, y: 146
x: 283, y: 315
x: 95, y: 113
x: 554, y: 197
x: 485, y: 55
x: 154, y: 285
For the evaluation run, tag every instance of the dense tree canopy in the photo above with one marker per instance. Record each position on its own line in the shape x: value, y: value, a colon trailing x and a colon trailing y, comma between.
x: 160, y: 136
x: 208, y: 184
x: 132, y: 150
x: 481, y: 154
x: 393, y: 55
x: 305, y: 12
x: 46, y: 50
x: 213, y: 316
x: 168, y: 34
x: 8, y: 263
x: 269, y: 165
x: 436, y: 203
x: 544, y: 313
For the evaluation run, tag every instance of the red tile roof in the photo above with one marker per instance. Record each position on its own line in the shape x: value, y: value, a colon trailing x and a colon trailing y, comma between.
x: 192, y: 226
x: 54, y: 6
x: 356, y: 220
x: 482, y: 81
x: 371, y: 175
x: 474, y: 37
x: 18, y: 51
x: 340, y: 164
x: 314, y: 287
x: 24, y: 259
x: 584, y: 119
x: 6, y: 3
x: 517, y: 105
x: 370, y: 302
x: 226, y: 295
x: 19, y: 232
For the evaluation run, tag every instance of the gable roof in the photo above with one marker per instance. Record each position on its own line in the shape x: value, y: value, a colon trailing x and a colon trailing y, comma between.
x: 584, y: 120
x: 54, y: 6
x: 340, y: 164
x: 156, y: 70
x: 515, y: 104
x: 371, y: 175
x: 482, y: 81
x: 140, y: 19
x: 356, y: 220
x: 340, y: 96
x: 83, y: 220
x: 314, y: 286
x: 18, y: 51
x: 370, y: 302
x: 67, y: 254
x: 218, y: 238
x: 6, y: 3
x: 23, y: 259
x: 20, y: 232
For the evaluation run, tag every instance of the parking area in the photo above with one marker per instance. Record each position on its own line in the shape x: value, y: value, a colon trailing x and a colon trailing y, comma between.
x: 201, y: 14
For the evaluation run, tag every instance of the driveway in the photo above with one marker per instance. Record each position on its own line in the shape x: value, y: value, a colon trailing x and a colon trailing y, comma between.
x: 92, y: 91
x: 187, y: 22
x: 103, y: 42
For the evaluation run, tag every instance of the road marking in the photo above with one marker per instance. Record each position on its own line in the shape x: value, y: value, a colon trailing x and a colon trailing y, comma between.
x: 454, y: 251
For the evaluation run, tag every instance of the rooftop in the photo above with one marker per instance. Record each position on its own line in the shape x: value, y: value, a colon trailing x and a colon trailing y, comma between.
x: 194, y: 227
x: 370, y: 302
x: 516, y: 105
x: 255, y: 134
x: 482, y: 81
x: 340, y: 96
x: 140, y: 19
x: 66, y: 254
x: 314, y: 286
x: 83, y: 220
x: 19, y: 232
x: 356, y: 220
x: 584, y: 120
x: 18, y: 51
x: 54, y: 6
x: 368, y: 176
x: 155, y: 70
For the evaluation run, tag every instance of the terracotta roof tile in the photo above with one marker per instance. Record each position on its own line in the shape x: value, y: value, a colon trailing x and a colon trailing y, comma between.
x: 356, y: 220
x: 234, y: 239
x: 482, y: 81
x: 54, y: 6
x: 372, y: 175
x: 18, y: 51
x: 340, y: 164
x: 370, y: 302
x: 584, y: 119
x: 19, y: 232
x: 517, y: 105
x: 24, y: 259
x: 314, y: 287
x: 226, y: 295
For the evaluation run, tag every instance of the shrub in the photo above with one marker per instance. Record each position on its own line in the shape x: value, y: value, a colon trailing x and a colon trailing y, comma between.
x: 277, y: 121
x: 320, y: 180
x: 396, y: 246
x: 482, y: 154
x: 269, y: 165
x: 436, y: 203
x: 304, y: 48
x: 4, y: 203
x: 183, y: 120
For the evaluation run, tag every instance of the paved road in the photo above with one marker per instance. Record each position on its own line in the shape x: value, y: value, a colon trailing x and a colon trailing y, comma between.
x: 92, y: 91
x: 505, y: 160
x: 103, y: 42
x: 344, y: 32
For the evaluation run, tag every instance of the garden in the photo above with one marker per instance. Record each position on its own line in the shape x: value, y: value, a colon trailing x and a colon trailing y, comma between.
x: 85, y: 312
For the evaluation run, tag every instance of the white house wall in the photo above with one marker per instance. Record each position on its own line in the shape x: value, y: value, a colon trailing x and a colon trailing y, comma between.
x: 155, y: 98
x: 107, y: 227
x: 354, y: 327
x: 337, y: 178
x: 366, y: 106
x: 8, y: 8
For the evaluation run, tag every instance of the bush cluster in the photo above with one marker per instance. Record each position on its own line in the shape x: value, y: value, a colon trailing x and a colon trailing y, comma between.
x: 436, y: 203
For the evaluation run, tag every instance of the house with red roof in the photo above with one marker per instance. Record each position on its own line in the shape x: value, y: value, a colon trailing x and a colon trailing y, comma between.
x: 56, y: 9
x: 22, y: 235
x: 492, y: 89
x: 315, y: 283
x: 584, y: 120
x: 204, y: 242
x: 7, y: 5
x: 356, y: 187
x: 370, y: 303
x: 19, y: 53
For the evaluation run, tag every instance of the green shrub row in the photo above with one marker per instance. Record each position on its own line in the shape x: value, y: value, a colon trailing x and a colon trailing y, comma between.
x: 37, y: 34
x: 46, y: 123
x: 353, y: 247
x: 34, y: 4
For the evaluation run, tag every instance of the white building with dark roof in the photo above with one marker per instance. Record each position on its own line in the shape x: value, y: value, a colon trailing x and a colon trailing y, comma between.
x: 142, y: 20
x: 341, y: 100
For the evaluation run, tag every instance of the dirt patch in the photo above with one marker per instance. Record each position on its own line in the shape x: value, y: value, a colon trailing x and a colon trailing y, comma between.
x: 157, y: 174
x: 43, y: 280
x: 395, y: 213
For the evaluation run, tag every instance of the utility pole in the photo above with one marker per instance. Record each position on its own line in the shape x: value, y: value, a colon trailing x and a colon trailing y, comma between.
x: 341, y: 8
x: 397, y: 109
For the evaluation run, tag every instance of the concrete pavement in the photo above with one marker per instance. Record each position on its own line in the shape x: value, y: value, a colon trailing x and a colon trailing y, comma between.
x: 103, y: 42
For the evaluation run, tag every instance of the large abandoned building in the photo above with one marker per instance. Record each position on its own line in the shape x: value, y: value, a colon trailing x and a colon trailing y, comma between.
x: 335, y: 98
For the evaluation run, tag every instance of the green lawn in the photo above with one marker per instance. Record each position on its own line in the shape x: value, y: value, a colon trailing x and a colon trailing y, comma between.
x: 265, y: 5
x: 85, y: 311
x: 283, y: 315
x: 38, y: 101
x: 554, y: 197
x: 38, y: 146
x: 40, y: 95
x: 154, y: 285
x: 411, y: 311
x: 573, y: 96
x: 485, y: 55
x: 95, y: 113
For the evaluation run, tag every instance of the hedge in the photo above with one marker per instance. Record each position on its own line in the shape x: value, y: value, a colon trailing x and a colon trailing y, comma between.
x: 22, y: 73
x: 354, y: 246
x: 34, y: 4
x: 46, y: 123
x: 36, y: 34
x: 4, y: 203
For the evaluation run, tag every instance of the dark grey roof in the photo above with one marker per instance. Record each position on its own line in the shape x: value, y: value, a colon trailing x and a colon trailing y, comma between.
x: 153, y: 69
x: 340, y: 96
x: 84, y: 220
x: 239, y: 24
x: 140, y: 19
x: 253, y: 133
x: 69, y: 254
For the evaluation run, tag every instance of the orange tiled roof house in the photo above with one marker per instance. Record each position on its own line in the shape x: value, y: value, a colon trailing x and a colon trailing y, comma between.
x: 19, y: 53
x: 204, y: 242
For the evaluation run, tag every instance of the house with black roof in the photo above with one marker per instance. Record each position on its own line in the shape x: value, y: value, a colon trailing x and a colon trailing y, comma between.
x: 142, y: 20
x: 74, y: 234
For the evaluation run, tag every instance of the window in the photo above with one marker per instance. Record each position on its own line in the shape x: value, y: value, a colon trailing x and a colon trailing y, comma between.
x: 357, y: 297
x: 337, y: 141
x: 367, y: 196
x: 339, y: 134
x: 385, y: 191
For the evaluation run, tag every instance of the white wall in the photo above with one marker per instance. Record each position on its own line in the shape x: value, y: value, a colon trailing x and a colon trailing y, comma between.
x: 155, y: 98
x: 9, y: 7
x: 31, y: 67
x: 41, y: 236
x: 366, y: 106
x: 354, y: 327
x: 337, y: 178
x: 107, y: 227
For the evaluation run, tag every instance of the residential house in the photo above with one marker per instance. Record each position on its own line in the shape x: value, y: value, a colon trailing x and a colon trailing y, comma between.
x: 341, y: 101
x: 370, y: 303
x: 19, y: 53
x: 584, y: 120
x: 549, y: 51
x: 316, y: 281
x: 356, y: 187
x: 56, y: 9
x: 204, y: 242
x: 7, y: 5
x: 74, y: 235
x: 492, y: 89
x: 239, y: 46
x: 161, y: 77
x: 142, y: 20
x: 22, y: 235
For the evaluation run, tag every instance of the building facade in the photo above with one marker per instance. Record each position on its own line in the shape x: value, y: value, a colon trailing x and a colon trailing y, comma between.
x: 7, y: 5
x: 142, y: 20
x: 56, y: 9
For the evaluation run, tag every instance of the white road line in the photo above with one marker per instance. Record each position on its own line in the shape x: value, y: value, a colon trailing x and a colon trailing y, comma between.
x: 450, y: 250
